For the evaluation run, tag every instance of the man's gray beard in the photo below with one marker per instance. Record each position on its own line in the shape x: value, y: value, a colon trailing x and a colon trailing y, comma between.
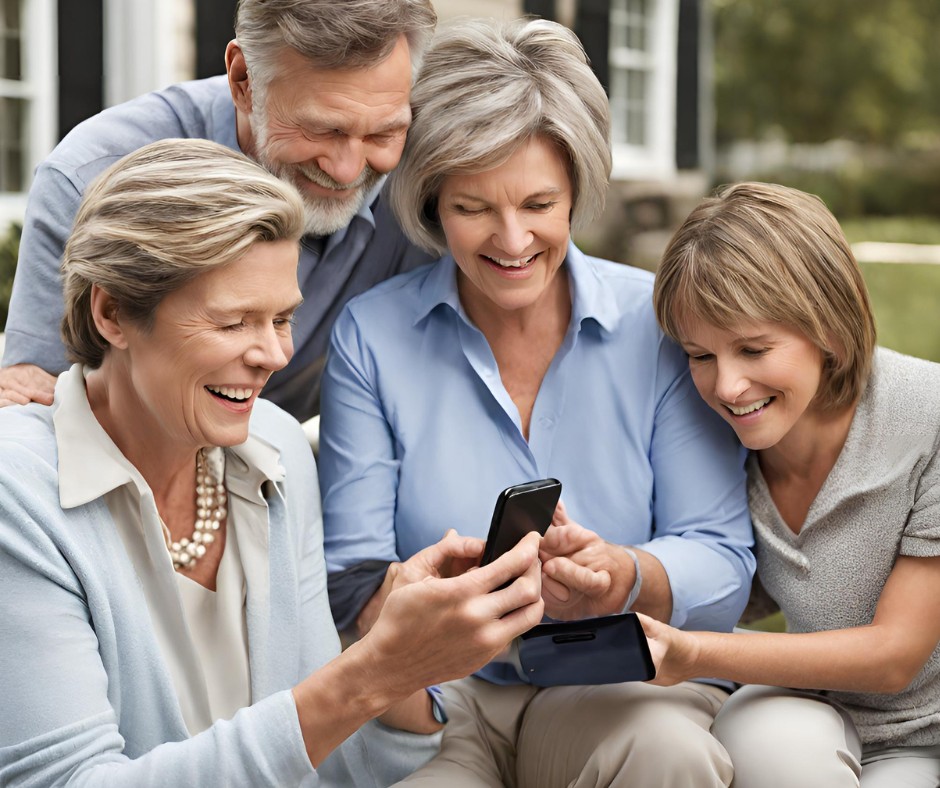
x: 322, y: 215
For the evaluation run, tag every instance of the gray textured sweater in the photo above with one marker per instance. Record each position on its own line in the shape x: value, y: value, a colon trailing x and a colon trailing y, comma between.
x: 881, y: 500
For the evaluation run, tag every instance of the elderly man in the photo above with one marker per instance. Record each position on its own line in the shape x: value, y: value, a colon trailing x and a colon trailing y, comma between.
x: 317, y: 92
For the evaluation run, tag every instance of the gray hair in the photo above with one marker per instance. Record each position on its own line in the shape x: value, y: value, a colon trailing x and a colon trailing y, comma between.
x: 484, y: 90
x: 331, y: 34
x: 157, y: 219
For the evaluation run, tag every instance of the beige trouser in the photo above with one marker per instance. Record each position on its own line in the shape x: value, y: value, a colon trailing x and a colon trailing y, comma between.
x: 630, y: 734
x: 780, y: 738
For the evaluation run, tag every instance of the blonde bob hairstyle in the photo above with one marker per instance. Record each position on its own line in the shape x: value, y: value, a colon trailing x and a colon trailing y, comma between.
x: 759, y: 252
x: 157, y: 219
x: 485, y: 89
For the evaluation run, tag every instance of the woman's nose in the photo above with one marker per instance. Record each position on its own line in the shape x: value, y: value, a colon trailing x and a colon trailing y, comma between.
x: 270, y: 350
x: 512, y: 237
x: 731, y: 382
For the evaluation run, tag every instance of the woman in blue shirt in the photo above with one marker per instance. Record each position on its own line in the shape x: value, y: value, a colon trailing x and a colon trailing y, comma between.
x: 517, y: 357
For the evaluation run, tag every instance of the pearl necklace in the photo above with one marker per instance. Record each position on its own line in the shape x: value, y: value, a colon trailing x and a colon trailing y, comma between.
x: 211, y: 500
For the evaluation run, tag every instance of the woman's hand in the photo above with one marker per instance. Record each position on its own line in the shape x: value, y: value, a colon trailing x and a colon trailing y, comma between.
x: 582, y: 575
x: 440, y: 628
x: 451, y: 556
x: 674, y: 652
x: 429, y: 631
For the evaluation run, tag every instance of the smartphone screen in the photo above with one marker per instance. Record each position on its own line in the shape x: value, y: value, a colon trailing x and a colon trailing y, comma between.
x: 520, y: 509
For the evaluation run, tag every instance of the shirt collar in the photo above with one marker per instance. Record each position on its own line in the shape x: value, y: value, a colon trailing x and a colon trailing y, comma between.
x: 91, y: 465
x: 592, y: 297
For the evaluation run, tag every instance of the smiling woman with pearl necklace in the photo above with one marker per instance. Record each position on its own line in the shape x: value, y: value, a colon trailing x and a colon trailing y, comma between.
x: 162, y: 583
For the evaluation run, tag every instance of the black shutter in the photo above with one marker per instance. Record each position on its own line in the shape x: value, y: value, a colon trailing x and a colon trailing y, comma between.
x: 81, y: 61
x: 541, y: 8
x: 215, y: 27
x: 592, y: 26
x: 688, y: 94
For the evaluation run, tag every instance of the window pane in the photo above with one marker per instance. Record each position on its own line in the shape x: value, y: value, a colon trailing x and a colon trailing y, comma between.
x: 10, y: 53
x: 629, y: 21
x: 628, y: 95
x: 10, y: 39
x: 12, y: 137
x: 10, y: 15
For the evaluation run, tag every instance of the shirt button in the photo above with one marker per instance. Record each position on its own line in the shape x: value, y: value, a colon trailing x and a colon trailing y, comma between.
x: 547, y: 422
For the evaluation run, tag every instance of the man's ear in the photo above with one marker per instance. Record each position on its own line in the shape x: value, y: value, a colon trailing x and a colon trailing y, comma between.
x: 238, y: 82
x: 104, y: 311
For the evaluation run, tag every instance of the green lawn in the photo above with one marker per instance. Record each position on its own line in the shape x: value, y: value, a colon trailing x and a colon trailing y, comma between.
x: 906, y: 300
x: 905, y: 297
x: 893, y: 229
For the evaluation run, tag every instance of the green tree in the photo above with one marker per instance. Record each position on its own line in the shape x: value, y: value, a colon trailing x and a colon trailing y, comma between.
x: 816, y: 70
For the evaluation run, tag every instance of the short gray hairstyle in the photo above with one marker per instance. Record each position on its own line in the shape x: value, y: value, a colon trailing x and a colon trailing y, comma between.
x: 331, y: 34
x: 157, y: 219
x: 484, y: 90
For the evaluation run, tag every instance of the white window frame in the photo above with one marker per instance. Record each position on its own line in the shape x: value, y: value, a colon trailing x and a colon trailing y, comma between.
x: 655, y: 158
x: 39, y: 86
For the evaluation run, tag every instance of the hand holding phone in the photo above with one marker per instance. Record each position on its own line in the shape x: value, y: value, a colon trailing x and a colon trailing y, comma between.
x: 520, y: 509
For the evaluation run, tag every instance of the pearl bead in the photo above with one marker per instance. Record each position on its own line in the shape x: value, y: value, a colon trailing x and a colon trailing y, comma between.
x: 211, y: 510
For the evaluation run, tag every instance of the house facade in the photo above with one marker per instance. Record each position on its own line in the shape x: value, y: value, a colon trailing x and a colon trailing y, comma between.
x: 64, y: 60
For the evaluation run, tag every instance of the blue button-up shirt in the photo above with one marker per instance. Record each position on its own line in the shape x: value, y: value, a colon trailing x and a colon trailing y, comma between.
x: 419, y: 435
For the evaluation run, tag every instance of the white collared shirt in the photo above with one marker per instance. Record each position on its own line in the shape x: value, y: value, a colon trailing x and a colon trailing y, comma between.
x: 202, y: 635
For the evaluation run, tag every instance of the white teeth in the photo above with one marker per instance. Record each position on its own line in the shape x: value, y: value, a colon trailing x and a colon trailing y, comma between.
x: 741, y: 411
x: 230, y: 392
x: 522, y: 261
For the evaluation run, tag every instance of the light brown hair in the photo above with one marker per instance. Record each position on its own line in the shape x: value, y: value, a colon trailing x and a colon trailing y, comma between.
x: 759, y: 252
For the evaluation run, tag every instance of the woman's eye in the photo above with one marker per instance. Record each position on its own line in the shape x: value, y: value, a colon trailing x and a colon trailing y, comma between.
x: 234, y: 326
x: 754, y: 351
x: 463, y: 210
x: 700, y: 357
x: 541, y: 206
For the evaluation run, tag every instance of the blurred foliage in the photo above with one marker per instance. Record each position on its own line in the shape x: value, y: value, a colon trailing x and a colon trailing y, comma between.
x: 896, y: 183
x: 817, y: 70
x: 9, y: 249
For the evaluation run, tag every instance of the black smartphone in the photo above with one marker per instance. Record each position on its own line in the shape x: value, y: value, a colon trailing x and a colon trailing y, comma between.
x: 520, y: 509
x: 605, y: 650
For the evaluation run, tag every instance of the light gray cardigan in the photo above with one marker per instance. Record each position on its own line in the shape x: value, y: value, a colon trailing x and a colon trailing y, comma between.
x: 86, y: 697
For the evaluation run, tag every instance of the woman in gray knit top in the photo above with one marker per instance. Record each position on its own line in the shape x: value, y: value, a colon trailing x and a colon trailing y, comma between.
x: 762, y: 291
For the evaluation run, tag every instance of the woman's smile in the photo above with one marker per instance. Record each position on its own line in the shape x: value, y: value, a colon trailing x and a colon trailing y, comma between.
x: 508, y: 227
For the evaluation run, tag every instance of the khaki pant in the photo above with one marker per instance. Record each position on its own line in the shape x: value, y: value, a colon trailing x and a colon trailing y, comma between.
x: 630, y: 734
x: 780, y: 738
